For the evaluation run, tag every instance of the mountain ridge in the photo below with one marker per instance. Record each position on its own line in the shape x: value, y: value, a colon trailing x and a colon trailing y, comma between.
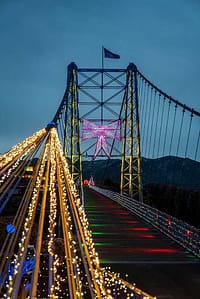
x: 169, y: 170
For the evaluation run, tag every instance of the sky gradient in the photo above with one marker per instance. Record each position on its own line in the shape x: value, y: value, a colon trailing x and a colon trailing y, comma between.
x: 40, y: 38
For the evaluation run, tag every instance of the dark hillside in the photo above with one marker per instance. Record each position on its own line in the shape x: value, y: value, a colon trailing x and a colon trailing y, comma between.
x: 182, y: 172
x: 169, y: 170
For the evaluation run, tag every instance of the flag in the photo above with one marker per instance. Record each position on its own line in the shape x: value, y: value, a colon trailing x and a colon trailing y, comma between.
x: 108, y: 54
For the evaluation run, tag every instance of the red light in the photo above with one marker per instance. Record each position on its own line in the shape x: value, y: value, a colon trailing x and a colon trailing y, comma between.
x: 148, y: 236
x: 131, y: 221
x: 153, y: 250
x: 138, y: 228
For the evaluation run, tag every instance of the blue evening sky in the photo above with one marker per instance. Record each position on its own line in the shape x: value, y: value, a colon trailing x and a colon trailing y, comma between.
x: 39, y: 38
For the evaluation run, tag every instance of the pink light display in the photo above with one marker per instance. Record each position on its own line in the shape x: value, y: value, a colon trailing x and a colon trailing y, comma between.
x: 91, y: 181
x: 91, y: 130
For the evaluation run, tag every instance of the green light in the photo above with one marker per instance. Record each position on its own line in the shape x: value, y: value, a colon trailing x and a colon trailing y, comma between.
x: 103, y: 244
x: 104, y: 261
x: 98, y: 233
x: 94, y: 215
x: 105, y: 233
x: 100, y: 224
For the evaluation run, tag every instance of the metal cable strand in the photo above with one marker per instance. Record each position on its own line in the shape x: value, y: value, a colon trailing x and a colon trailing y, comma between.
x: 197, y: 146
x: 166, y: 128
x: 179, y: 104
x: 163, y: 107
x: 143, y: 130
x: 143, y: 112
x: 157, y: 116
x: 180, y: 132
x: 61, y: 132
x: 188, y: 136
x: 152, y: 122
x: 173, y: 126
x: 148, y: 127
x: 141, y: 101
x: 194, y: 112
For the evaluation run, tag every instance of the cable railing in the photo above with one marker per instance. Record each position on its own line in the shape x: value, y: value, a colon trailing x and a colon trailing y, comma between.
x: 179, y: 231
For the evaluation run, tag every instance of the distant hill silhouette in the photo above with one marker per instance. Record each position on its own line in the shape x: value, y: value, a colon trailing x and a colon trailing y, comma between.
x: 182, y: 172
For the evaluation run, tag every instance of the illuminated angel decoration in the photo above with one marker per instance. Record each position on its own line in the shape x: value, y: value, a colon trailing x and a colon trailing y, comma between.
x: 91, y: 130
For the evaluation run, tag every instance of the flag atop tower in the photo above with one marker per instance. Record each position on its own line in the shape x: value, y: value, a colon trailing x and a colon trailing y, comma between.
x: 109, y: 54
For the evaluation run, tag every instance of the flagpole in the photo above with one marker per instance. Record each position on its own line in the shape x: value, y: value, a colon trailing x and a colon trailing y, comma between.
x: 102, y: 58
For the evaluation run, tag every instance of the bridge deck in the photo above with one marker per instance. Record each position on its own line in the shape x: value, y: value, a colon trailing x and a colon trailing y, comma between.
x: 130, y: 246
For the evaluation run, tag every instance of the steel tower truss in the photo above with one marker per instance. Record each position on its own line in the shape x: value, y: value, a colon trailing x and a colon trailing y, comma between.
x: 102, y: 96
x: 131, y: 183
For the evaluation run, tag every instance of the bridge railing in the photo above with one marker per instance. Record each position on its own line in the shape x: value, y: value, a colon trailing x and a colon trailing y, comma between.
x: 183, y: 233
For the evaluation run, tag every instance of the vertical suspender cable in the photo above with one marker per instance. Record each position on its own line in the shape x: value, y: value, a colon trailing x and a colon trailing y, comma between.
x: 166, y: 128
x: 152, y: 122
x: 141, y: 102
x: 188, y: 136
x: 61, y: 131
x: 197, y: 146
x: 148, y: 116
x: 172, y: 135
x: 156, y: 126
x: 143, y: 129
x: 161, y: 126
x: 180, y: 132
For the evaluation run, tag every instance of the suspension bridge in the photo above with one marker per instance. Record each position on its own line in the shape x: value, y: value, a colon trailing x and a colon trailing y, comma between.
x: 50, y: 249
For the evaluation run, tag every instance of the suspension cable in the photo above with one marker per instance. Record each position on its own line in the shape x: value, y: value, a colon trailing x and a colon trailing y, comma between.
x: 157, y: 117
x: 197, y: 146
x: 143, y: 129
x: 163, y: 107
x: 180, y: 131
x: 152, y: 122
x: 142, y: 102
x: 173, y: 126
x: 188, y: 136
x: 166, y: 128
x: 194, y: 112
x: 61, y: 130
x: 147, y: 114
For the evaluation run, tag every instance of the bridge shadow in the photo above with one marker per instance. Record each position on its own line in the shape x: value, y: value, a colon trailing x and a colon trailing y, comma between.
x: 137, y: 250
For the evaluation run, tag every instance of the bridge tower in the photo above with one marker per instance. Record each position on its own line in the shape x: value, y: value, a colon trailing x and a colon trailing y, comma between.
x: 98, y: 105
x: 131, y: 183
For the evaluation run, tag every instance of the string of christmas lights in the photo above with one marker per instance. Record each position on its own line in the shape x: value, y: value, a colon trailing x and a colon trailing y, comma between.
x: 19, y: 258
x: 18, y: 149
x: 76, y: 273
x: 53, y: 259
